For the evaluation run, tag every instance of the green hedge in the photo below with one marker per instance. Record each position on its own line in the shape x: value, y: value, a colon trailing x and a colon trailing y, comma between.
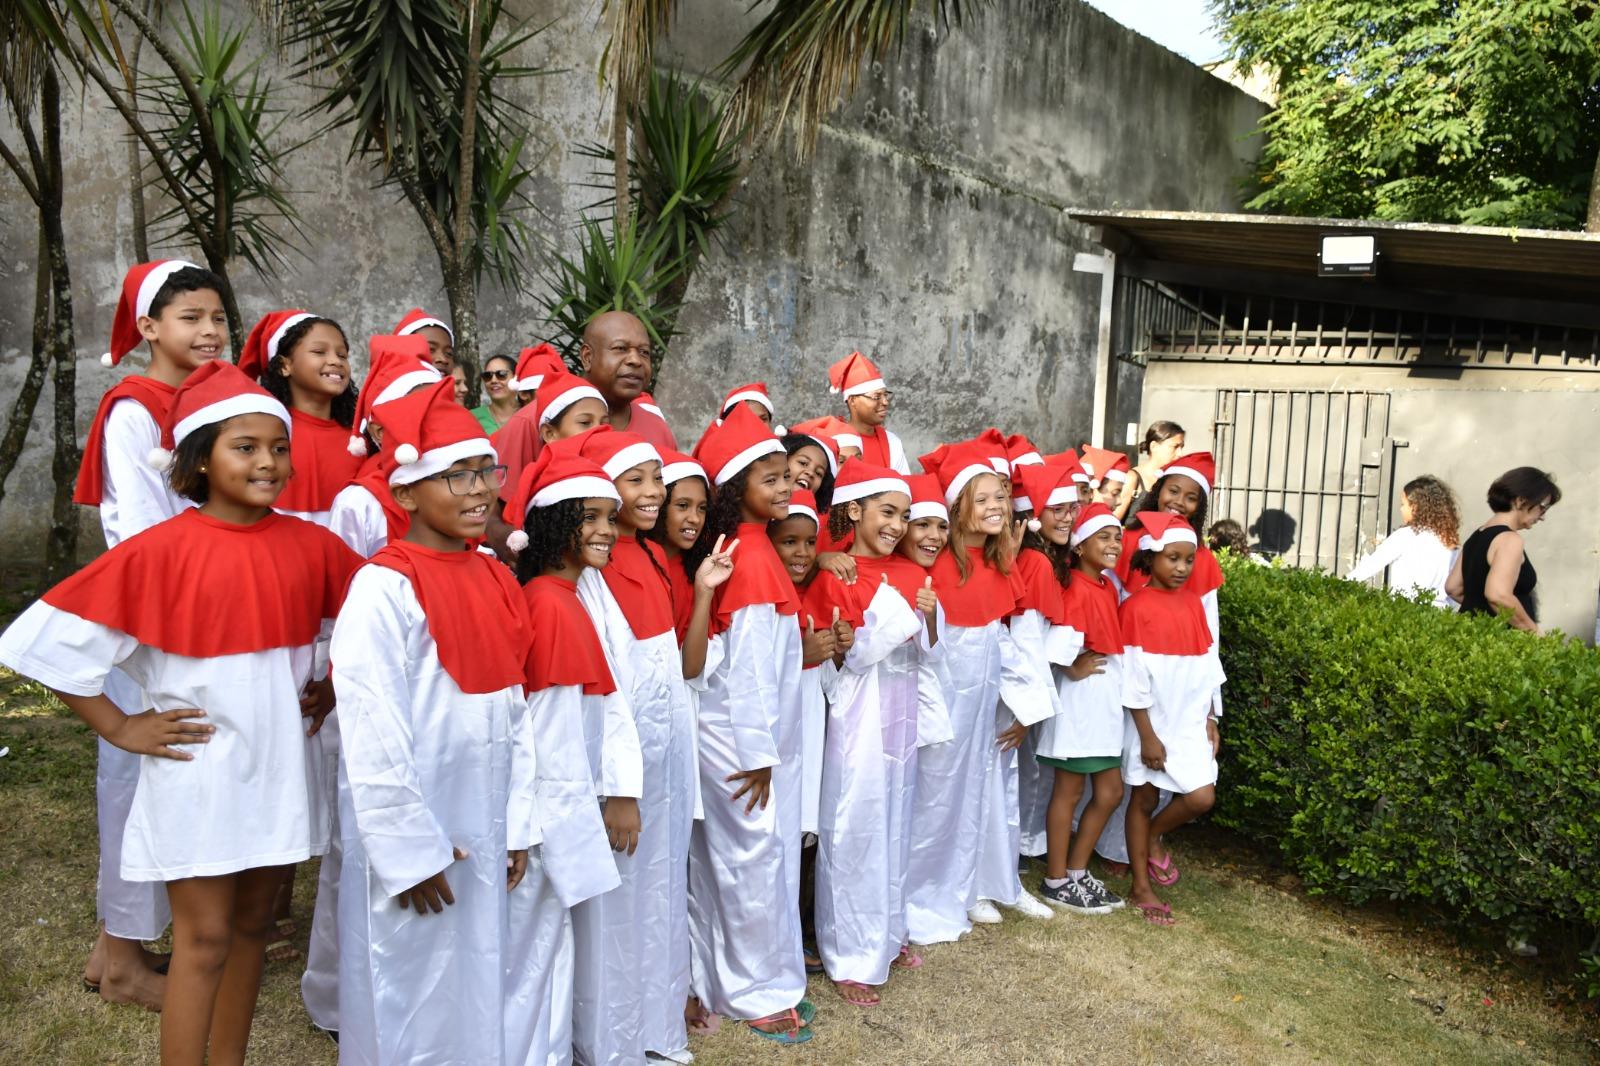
x: 1391, y: 749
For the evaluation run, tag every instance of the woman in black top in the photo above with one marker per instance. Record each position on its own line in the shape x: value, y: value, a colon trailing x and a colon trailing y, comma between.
x: 1492, y: 573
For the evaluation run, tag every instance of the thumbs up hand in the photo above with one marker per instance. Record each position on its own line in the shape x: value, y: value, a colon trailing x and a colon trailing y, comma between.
x: 843, y: 634
x: 814, y: 646
x: 927, y: 600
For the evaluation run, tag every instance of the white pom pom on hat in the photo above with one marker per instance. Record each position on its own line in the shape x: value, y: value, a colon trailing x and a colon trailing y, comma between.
x: 106, y: 359
x: 516, y: 540
x: 1034, y: 525
x: 356, y: 445
x: 780, y: 431
x: 158, y: 459
x: 406, y: 454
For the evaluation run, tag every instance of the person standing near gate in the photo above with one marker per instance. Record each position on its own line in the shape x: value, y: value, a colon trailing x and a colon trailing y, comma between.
x: 1163, y: 442
x: 1492, y: 574
x: 1420, y: 554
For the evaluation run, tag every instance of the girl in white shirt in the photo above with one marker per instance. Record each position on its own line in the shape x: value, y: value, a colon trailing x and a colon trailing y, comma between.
x: 1420, y: 553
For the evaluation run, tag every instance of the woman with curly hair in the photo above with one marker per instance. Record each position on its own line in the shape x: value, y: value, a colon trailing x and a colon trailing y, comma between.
x: 1420, y: 553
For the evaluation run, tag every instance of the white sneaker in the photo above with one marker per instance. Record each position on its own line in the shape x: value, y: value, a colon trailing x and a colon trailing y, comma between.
x: 984, y: 914
x: 1027, y: 904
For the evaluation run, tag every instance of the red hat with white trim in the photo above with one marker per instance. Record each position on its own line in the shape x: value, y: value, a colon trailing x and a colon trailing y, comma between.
x: 675, y: 466
x: 1100, y: 463
x: 755, y: 392
x: 734, y: 443
x: 1091, y: 520
x: 1163, y: 529
x: 261, y: 346
x: 1043, y: 485
x: 416, y: 319
x: 427, y: 432
x: 802, y: 503
x: 560, y: 391
x: 1198, y: 467
x: 956, y: 465
x: 213, y: 393
x: 613, y: 451
x: 139, y: 287
x: 1022, y: 451
x: 1118, y: 469
x: 993, y: 442
x: 835, y: 430
x: 855, y: 375
x: 1069, y: 458
x: 395, y: 366
x: 557, y: 475
x: 646, y: 402
x: 859, y: 479
x: 534, y: 365
x: 927, y: 497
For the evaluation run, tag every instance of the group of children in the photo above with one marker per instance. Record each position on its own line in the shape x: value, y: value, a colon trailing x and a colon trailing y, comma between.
x: 598, y: 742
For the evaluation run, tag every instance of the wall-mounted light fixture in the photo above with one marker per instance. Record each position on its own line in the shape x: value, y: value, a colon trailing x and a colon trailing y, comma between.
x: 1347, y: 255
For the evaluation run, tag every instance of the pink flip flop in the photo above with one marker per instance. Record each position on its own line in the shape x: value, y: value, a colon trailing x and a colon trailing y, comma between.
x: 1158, y: 914
x: 1164, y: 873
x: 907, y: 960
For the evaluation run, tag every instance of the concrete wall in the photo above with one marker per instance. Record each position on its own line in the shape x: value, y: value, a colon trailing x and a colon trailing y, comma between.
x: 1466, y: 431
x: 928, y: 231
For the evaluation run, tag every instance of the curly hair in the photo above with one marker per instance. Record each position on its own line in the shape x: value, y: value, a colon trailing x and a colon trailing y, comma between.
x: 1149, y: 502
x: 552, y: 533
x: 1060, y: 555
x: 1228, y: 535
x: 275, y: 381
x: 839, y: 524
x: 792, y: 443
x: 722, y: 519
x: 186, y: 476
x: 993, y: 547
x: 1433, y: 508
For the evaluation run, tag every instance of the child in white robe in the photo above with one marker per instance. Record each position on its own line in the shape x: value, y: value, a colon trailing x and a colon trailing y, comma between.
x: 223, y: 803
x: 436, y: 763
x: 1171, y: 672
x: 870, y: 755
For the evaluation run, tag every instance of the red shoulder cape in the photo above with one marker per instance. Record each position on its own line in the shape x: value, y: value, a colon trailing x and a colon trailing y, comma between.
x: 474, y: 609
x: 200, y: 587
x: 986, y: 596
x: 1165, y: 622
x: 637, y: 578
x: 566, y: 649
x: 154, y: 396
x: 1038, y: 589
x: 827, y: 592
x: 758, y: 577
x: 1091, y: 609
x: 322, y: 464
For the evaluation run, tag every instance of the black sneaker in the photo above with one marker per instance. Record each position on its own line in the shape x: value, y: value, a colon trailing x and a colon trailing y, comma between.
x: 1098, y: 891
x: 1073, y: 896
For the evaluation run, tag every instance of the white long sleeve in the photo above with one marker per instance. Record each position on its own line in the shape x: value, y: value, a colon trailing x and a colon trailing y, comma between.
x: 888, y: 623
x: 358, y: 520
x: 567, y: 824
x: 1026, y: 685
x: 1388, y: 550
x: 752, y: 686
x: 135, y: 496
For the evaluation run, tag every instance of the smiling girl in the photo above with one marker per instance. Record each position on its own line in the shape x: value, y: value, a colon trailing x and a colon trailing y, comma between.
x: 683, y: 518
x: 223, y: 801
x: 744, y: 863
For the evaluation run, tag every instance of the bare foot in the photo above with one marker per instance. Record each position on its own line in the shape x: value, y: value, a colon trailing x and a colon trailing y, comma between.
x: 106, y: 945
x: 96, y: 964
x: 138, y: 985
x: 857, y: 994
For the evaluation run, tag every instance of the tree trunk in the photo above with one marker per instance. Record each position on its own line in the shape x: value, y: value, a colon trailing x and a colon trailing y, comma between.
x: 218, y: 265
x: 461, y: 286
x: 22, y: 408
x: 619, y: 151
x: 462, y: 292
x: 1592, y: 223
x: 61, y: 547
x: 141, y: 229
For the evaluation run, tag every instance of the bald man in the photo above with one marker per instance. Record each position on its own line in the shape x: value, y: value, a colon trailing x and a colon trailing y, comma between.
x: 615, y: 358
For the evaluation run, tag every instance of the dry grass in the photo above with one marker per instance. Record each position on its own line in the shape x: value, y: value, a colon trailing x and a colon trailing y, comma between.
x: 1253, y: 973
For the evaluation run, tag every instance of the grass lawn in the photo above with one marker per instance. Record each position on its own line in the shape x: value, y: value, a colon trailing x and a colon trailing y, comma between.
x: 1253, y: 972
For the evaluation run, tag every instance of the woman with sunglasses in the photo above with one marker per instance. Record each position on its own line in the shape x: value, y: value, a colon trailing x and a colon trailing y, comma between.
x: 503, y: 400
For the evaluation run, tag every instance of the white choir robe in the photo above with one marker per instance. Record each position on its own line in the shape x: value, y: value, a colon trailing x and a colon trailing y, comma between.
x: 575, y: 864
x: 1035, y: 635
x: 243, y: 801
x: 424, y: 768
x: 632, y: 966
x: 947, y: 818
x: 868, y: 791
x: 817, y: 686
x: 134, y: 497
x: 744, y: 869
x: 358, y: 519
x: 1027, y: 695
x: 1177, y: 691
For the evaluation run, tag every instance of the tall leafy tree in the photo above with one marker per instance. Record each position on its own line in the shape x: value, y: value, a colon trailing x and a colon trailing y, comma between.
x: 1482, y: 112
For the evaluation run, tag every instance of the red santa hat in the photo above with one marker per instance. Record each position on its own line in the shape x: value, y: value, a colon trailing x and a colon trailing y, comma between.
x: 1117, y: 469
x: 559, y: 392
x: 534, y: 365
x: 675, y: 466
x: 855, y: 375
x: 213, y: 393
x: 416, y: 319
x: 927, y: 497
x: 802, y: 503
x: 1100, y: 462
x: 1069, y: 459
x: 859, y: 479
x: 955, y: 465
x: 829, y: 446
x: 755, y: 392
x: 1161, y: 529
x: 613, y: 451
x: 1022, y: 452
x: 139, y: 287
x: 395, y: 366
x: 261, y: 346
x: 734, y: 443
x: 1041, y: 486
x: 830, y: 429
x: 646, y: 402
x: 427, y: 432
x: 1198, y: 467
x: 558, y: 474
x: 993, y: 443
x: 1091, y: 520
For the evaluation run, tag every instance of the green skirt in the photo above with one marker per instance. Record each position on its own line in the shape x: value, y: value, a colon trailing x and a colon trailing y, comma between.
x: 1088, y: 764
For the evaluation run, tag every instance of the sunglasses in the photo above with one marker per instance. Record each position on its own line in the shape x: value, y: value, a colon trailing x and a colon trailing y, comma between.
x: 496, y: 375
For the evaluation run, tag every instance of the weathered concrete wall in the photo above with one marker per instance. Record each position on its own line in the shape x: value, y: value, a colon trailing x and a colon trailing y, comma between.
x: 928, y: 231
x: 1466, y: 432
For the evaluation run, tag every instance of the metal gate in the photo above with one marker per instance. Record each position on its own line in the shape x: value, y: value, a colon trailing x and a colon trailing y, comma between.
x: 1309, y: 474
